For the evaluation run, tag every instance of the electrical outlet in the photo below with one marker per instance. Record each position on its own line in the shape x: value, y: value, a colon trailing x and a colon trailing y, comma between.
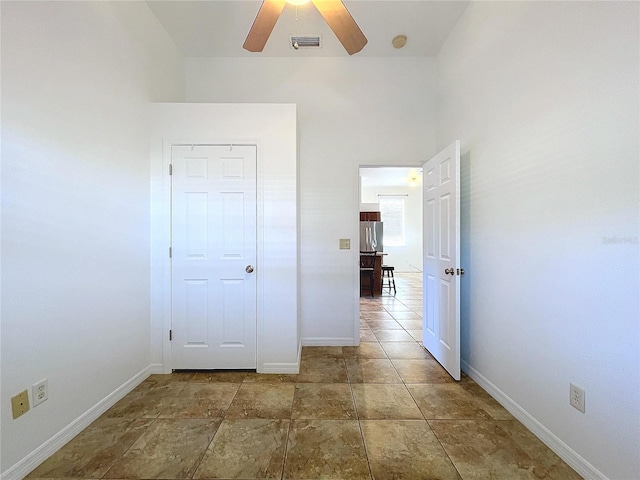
x: 20, y: 404
x: 576, y: 397
x: 345, y: 243
x: 40, y: 392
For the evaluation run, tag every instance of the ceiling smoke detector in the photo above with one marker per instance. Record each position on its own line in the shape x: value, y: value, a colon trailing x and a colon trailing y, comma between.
x: 399, y: 41
x: 305, y: 41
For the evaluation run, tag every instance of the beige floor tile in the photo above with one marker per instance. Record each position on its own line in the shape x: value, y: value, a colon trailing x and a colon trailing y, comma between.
x: 393, y: 336
x: 270, y: 378
x: 246, y: 448
x: 405, y: 449
x: 480, y: 449
x: 220, y: 376
x: 407, y: 316
x: 164, y: 378
x: 385, y: 402
x: 486, y: 401
x: 366, y: 335
x: 148, y: 400
x: 396, y: 307
x: 421, y: 371
x: 201, y: 400
x: 544, y: 457
x: 415, y: 304
x: 446, y: 401
x: 416, y: 334
x: 170, y: 448
x: 411, y: 324
x: 406, y: 350
x: 372, y: 370
x: 416, y: 307
x: 91, y: 453
x: 322, y: 370
x: 327, y: 352
x: 365, y: 350
x: 262, y: 400
x: 371, y: 309
x: 384, y: 325
x: 325, y: 449
x: 381, y: 315
x: 390, y: 300
x: 323, y: 401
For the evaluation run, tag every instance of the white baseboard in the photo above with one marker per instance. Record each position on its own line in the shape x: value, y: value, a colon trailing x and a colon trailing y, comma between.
x: 51, y: 446
x: 157, y: 368
x: 566, y: 453
x: 284, y: 368
x: 330, y: 342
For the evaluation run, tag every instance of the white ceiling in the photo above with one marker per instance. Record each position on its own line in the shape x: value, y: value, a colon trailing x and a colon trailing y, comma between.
x: 217, y: 28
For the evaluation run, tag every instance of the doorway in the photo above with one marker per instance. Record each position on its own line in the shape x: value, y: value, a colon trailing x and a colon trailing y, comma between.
x: 397, y: 192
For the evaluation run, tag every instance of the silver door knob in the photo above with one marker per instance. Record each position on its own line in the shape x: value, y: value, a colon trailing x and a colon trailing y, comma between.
x: 249, y: 269
x: 449, y: 271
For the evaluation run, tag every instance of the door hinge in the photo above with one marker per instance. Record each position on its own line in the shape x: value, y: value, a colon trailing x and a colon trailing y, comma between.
x: 460, y: 271
x: 170, y: 169
x: 170, y: 335
x: 170, y: 253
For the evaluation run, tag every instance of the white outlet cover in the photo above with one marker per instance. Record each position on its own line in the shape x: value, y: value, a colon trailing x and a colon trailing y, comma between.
x: 576, y: 397
x: 40, y: 392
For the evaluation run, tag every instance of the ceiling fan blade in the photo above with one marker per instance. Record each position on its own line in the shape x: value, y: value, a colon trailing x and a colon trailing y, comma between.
x: 262, y: 27
x: 342, y: 24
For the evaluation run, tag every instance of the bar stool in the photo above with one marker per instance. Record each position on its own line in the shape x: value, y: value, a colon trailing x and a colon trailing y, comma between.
x: 388, y: 280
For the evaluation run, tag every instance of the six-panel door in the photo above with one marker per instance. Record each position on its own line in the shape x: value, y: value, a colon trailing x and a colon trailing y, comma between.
x: 441, y: 253
x: 213, y: 257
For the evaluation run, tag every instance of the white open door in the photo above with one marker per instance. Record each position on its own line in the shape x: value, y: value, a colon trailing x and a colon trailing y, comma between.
x: 213, y: 257
x: 441, y: 254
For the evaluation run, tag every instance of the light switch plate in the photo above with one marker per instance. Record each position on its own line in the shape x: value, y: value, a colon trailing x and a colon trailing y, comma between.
x: 345, y: 243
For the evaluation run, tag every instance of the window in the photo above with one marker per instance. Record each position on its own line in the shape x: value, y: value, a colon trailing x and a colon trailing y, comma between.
x: 392, y: 214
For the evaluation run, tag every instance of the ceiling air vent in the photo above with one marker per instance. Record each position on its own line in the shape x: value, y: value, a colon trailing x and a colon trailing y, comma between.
x: 305, y: 41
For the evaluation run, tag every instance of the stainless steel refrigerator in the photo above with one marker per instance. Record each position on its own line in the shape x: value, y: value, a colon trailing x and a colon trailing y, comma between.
x: 371, y: 236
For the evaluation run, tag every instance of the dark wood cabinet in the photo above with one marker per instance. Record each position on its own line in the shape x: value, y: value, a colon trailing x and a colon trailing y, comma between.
x: 370, y: 217
x: 377, y: 279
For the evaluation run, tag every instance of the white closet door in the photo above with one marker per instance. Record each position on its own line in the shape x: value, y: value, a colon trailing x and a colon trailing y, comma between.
x: 213, y: 257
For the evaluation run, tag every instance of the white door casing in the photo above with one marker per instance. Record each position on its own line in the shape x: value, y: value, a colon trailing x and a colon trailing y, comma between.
x: 441, y: 254
x: 213, y: 256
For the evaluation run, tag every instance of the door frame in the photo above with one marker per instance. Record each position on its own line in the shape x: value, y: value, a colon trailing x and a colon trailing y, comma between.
x: 164, y: 238
x: 356, y: 235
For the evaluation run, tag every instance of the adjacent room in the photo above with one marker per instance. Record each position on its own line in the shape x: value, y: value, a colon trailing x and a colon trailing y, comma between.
x: 543, y: 97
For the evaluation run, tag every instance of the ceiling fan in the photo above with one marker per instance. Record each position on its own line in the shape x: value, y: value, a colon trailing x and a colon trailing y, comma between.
x: 333, y: 11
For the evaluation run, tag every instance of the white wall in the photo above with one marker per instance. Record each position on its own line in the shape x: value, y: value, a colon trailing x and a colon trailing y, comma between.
x: 351, y: 111
x: 76, y: 87
x: 544, y: 96
x: 407, y: 258
x: 273, y: 129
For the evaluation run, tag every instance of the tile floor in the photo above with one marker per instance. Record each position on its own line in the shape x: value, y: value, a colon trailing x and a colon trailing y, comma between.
x: 384, y: 410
